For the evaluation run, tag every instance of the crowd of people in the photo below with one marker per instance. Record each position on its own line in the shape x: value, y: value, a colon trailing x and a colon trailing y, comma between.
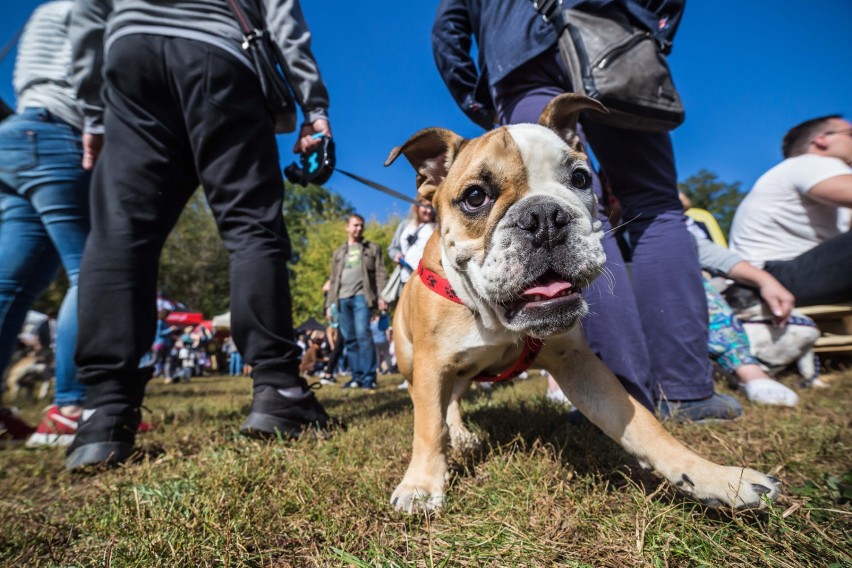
x: 112, y: 134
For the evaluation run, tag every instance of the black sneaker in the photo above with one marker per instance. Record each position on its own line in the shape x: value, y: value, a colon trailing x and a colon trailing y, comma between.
x: 273, y: 414
x: 105, y: 436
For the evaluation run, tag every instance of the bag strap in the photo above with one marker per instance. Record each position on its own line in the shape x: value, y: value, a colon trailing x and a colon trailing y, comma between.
x: 552, y: 11
x: 251, y: 32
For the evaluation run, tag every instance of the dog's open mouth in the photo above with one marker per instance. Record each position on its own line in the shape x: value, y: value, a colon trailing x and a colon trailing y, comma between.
x: 549, y: 291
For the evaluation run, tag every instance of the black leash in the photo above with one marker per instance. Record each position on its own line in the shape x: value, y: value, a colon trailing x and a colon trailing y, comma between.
x: 378, y: 187
x: 316, y: 166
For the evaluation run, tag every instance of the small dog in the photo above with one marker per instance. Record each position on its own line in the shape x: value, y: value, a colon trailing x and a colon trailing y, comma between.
x: 777, y: 347
x: 31, y: 375
x: 501, y: 283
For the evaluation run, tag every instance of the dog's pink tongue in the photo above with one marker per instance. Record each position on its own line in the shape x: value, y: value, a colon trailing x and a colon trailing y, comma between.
x: 549, y: 290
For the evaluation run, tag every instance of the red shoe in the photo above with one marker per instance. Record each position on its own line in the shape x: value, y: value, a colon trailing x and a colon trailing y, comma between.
x: 55, y: 429
x: 12, y: 428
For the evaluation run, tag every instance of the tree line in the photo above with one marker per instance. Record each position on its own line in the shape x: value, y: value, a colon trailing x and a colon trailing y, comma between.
x: 194, y: 267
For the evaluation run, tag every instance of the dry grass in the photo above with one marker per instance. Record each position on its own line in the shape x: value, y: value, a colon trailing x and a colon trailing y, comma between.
x: 539, y: 492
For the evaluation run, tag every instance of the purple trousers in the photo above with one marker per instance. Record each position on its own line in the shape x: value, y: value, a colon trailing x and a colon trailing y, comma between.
x: 649, y: 325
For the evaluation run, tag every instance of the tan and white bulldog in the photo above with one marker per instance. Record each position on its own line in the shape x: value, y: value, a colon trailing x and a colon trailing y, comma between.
x: 518, y: 239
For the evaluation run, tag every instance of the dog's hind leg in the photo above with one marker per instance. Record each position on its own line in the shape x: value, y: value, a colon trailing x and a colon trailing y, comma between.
x: 596, y: 392
x: 461, y: 438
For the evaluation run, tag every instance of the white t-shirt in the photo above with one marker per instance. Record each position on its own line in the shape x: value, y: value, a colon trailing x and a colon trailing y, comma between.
x: 777, y: 220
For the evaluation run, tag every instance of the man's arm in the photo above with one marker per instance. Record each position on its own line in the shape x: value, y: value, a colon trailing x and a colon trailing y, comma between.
x: 836, y: 190
x: 86, y: 32
x: 780, y: 300
x: 287, y: 25
x: 717, y: 259
x: 88, y: 25
x: 451, y: 44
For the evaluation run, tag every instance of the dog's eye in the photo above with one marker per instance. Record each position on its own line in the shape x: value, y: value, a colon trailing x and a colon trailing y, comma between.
x: 581, y: 179
x: 474, y: 198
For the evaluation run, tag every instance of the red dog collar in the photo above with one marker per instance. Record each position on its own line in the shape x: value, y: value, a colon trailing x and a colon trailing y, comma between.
x: 532, y: 346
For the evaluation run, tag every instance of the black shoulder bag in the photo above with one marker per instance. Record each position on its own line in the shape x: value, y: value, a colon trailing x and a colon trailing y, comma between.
x: 257, y: 43
x: 617, y: 62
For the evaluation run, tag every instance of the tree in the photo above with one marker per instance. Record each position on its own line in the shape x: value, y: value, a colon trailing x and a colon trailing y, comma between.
x: 706, y: 191
x: 305, y: 207
x: 194, y: 266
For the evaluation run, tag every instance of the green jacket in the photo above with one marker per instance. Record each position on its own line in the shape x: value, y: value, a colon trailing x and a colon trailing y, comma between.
x: 372, y: 271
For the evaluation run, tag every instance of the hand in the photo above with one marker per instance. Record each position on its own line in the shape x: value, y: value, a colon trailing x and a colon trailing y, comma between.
x: 397, y: 257
x: 779, y: 299
x: 383, y: 305
x: 306, y: 140
x: 92, y: 145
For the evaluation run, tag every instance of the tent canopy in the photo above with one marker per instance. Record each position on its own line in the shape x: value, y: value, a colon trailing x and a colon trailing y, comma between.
x: 222, y: 321
x: 310, y: 324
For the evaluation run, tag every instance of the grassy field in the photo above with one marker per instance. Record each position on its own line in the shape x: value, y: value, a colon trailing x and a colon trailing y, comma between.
x: 538, y: 492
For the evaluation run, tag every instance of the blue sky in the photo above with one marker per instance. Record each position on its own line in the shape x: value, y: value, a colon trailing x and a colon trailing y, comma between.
x: 747, y: 70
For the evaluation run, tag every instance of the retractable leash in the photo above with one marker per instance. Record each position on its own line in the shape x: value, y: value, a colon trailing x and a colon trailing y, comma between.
x: 317, y: 165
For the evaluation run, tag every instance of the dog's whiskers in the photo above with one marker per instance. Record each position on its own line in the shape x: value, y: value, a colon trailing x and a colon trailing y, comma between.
x: 623, y: 224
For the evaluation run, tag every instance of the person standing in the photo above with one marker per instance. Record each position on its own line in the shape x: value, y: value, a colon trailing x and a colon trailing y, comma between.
x: 183, y: 107
x: 44, y: 205
x: 409, y: 239
x: 409, y: 242
x: 649, y: 327
x: 357, y: 275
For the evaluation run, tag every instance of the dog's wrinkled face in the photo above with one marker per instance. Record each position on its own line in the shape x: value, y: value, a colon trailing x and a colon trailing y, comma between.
x: 517, y: 220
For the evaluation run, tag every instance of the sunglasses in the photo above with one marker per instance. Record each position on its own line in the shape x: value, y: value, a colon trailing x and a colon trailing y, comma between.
x: 846, y: 131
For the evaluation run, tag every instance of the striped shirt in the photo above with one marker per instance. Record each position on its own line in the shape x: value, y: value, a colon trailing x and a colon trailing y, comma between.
x: 41, y: 77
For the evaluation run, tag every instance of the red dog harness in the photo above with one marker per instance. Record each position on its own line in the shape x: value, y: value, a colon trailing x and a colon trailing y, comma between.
x: 532, y: 346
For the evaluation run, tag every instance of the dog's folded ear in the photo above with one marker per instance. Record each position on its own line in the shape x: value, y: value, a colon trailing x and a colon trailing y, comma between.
x: 430, y: 152
x: 561, y: 115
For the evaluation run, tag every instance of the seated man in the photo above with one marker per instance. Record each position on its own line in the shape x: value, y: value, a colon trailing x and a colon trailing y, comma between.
x: 793, y: 222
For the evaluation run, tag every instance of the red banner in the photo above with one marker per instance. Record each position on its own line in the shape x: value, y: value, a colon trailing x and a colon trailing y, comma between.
x: 185, y: 318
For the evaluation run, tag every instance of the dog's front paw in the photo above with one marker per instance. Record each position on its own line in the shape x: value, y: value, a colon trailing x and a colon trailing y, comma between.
x: 729, y: 487
x: 420, y: 495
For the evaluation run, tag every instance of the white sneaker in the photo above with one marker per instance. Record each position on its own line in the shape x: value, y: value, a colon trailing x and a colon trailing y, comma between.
x: 403, y: 385
x: 769, y: 391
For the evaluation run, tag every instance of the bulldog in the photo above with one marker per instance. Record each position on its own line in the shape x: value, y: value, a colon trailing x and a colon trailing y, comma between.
x: 501, y: 283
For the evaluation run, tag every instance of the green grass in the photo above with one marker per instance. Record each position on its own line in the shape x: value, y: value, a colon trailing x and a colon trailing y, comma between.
x: 538, y: 492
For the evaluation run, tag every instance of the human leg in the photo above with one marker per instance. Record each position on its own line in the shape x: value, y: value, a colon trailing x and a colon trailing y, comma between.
x: 823, y: 275
x: 346, y: 319
x: 29, y: 265
x: 232, y: 141
x: 142, y: 180
x: 613, y: 327
x: 60, y: 194
x: 729, y: 346
x: 28, y: 260
x: 664, y: 264
x: 366, y: 350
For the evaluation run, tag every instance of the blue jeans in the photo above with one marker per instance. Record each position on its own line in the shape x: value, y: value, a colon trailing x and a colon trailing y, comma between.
x: 44, y: 221
x: 235, y: 364
x: 354, y: 317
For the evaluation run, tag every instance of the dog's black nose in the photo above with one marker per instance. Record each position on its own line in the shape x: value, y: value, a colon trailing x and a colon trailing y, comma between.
x: 545, y: 224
